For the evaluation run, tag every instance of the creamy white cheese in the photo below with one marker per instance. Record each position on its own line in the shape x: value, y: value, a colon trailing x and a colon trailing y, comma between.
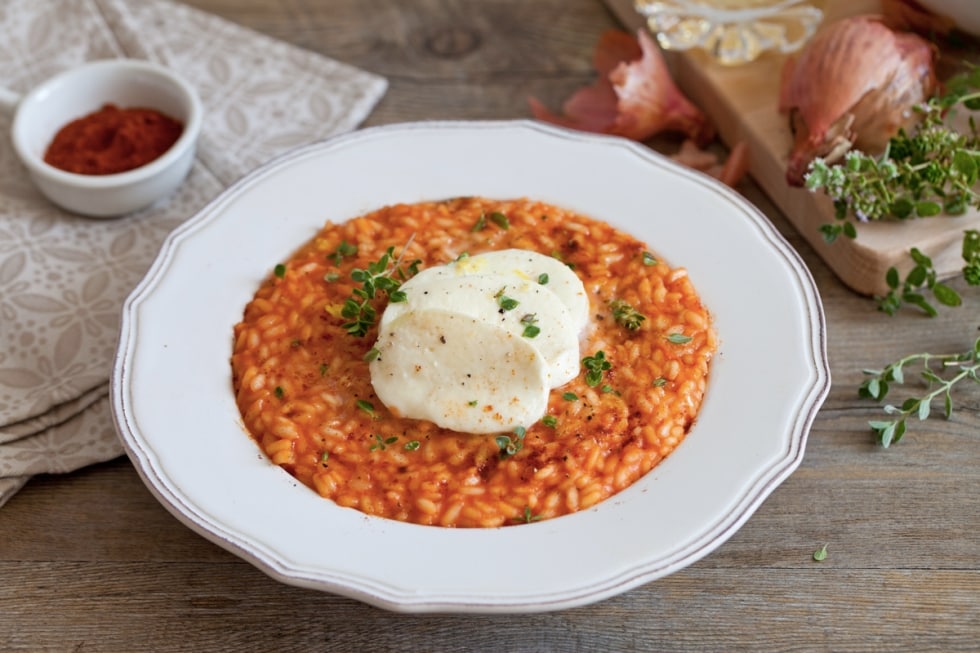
x: 525, y: 264
x: 480, y: 296
x: 459, y: 372
x: 480, y: 341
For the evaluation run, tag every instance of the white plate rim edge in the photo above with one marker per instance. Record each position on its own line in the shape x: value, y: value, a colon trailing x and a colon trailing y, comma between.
x: 767, y: 480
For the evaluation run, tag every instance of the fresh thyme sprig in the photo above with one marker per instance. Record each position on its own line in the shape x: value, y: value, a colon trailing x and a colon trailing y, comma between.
x: 909, y: 290
x: 923, y: 275
x: 595, y: 366
x: 971, y: 254
x: 511, y: 445
x: 931, y: 170
x: 380, y: 276
x: 343, y: 250
x: 527, y: 516
x: 382, y: 442
x: 955, y: 367
x: 625, y: 315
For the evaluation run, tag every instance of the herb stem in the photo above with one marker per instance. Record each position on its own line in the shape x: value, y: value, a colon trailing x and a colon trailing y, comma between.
x: 378, y: 276
x: 877, y: 387
x: 931, y: 169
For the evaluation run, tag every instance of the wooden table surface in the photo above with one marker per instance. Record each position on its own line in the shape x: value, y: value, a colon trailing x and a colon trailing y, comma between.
x: 91, y: 562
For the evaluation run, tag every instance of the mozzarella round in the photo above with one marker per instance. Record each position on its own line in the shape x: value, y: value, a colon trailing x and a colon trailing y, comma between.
x: 478, y: 343
x: 458, y: 371
x: 525, y: 264
x: 480, y: 296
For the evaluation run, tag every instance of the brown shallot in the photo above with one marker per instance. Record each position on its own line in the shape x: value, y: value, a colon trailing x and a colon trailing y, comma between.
x: 855, y: 84
x: 634, y: 95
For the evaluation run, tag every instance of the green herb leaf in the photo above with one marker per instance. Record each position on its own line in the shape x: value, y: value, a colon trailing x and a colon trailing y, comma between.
x: 625, y: 315
x: 923, y: 277
x: 679, y: 338
x: 412, y: 445
x: 941, y: 372
x: 569, y: 396
x: 367, y: 407
x: 549, y: 421
x: 931, y: 169
x: 344, y: 250
x: 279, y: 270
x: 971, y: 256
x: 504, y: 302
x: 511, y: 445
x: 531, y: 330
x: 595, y: 366
x: 820, y: 554
x: 378, y: 277
x: 946, y: 295
x: 382, y: 443
x: 527, y: 517
x: 500, y: 220
x: 649, y: 259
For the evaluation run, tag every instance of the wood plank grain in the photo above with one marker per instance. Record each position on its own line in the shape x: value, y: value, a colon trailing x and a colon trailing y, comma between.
x: 193, y: 607
x: 90, y: 562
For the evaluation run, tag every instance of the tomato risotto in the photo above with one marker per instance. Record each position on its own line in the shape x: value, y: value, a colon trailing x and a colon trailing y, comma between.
x: 302, y: 351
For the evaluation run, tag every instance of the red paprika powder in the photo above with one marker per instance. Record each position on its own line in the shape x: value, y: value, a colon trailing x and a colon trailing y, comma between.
x: 112, y: 140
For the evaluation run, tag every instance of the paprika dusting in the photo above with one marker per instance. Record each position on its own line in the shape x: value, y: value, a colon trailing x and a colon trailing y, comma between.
x: 112, y: 140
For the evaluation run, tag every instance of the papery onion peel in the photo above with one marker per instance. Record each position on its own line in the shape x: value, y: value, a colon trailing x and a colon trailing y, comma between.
x: 854, y: 85
x: 633, y: 96
x: 735, y: 167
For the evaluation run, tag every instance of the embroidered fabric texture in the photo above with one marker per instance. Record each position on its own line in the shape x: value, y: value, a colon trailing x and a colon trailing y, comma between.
x: 63, y: 278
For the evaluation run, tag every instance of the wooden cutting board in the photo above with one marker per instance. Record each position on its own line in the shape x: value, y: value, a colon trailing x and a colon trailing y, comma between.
x: 742, y: 102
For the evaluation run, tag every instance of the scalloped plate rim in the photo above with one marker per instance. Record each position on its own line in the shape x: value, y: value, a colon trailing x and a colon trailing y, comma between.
x: 393, y: 595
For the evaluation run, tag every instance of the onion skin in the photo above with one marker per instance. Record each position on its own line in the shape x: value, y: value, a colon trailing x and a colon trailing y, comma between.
x: 910, y: 16
x: 854, y: 85
x: 634, y: 95
x: 729, y: 172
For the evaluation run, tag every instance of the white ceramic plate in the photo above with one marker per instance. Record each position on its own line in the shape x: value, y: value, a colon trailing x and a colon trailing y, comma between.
x: 175, y: 411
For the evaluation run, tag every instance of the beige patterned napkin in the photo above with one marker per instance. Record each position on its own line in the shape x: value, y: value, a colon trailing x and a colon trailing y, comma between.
x: 63, y: 279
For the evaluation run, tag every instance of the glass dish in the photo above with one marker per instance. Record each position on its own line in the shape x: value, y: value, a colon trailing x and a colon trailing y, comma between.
x: 732, y: 32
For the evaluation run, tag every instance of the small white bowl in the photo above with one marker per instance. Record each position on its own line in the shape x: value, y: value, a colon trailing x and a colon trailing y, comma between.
x: 85, y: 89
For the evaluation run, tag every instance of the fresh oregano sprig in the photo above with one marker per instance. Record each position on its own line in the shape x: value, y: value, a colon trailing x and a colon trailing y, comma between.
x: 595, y: 366
x: 971, y: 255
x: 923, y: 277
x: 383, y: 442
x: 909, y: 290
x: 941, y: 372
x: 527, y: 516
x: 929, y: 170
x: 625, y: 315
x: 379, y: 276
x: 508, y: 445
